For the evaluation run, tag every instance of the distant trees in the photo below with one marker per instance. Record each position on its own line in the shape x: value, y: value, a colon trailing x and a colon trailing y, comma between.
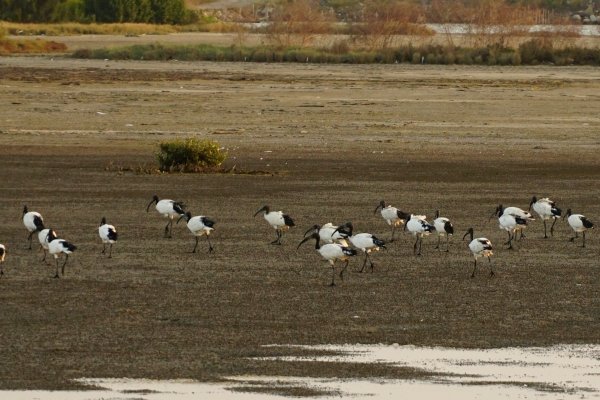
x: 147, y: 11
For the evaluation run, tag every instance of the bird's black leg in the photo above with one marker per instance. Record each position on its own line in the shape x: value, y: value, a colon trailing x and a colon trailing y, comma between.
x: 63, y: 266
x: 545, y: 234
x: 552, y: 227
x: 583, y: 239
x: 393, y: 231
x: 210, y: 248
x: 415, y: 245
x: 491, y: 270
x: 364, y: 263
x: 110, y: 251
x: 509, y: 238
x: 522, y: 235
x: 371, y: 262
x: 474, y: 268
x: 196, y: 245
x: 438, y: 243
x: 447, y: 243
x: 44, y: 258
x: 30, y: 238
x: 420, y: 245
x: 103, y: 248
x: 167, y: 234
x: 278, y: 237
x: 56, y: 259
x: 332, y: 276
x: 344, y: 269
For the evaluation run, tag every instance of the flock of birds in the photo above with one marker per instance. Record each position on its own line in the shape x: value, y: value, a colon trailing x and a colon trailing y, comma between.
x: 333, y: 243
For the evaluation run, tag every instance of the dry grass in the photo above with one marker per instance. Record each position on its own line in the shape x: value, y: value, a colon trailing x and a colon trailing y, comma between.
x: 25, y: 46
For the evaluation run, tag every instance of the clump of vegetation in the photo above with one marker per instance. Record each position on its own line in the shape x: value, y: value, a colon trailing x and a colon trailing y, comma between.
x: 190, y: 155
x: 25, y: 46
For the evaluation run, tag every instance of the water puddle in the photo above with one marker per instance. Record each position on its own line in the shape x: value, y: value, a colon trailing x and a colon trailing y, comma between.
x: 558, y: 372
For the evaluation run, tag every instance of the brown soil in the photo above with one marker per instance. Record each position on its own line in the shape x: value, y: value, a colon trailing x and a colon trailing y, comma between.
x: 337, y: 139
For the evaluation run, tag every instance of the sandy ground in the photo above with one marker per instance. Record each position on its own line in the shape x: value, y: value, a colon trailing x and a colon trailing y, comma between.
x: 334, y: 140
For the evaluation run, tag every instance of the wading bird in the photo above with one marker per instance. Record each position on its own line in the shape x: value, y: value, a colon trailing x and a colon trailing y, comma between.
x: 511, y: 223
x: 45, y: 237
x: 169, y: 209
x: 419, y: 227
x: 33, y: 221
x: 366, y: 243
x: 330, y: 233
x: 480, y: 247
x: 2, y: 256
x: 331, y: 252
x: 546, y: 209
x: 58, y: 246
x: 517, y: 212
x: 578, y: 223
x: 199, y: 226
x: 278, y: 220
x: 443, y: 227
x: 108, y: 234
x: 393, y: 216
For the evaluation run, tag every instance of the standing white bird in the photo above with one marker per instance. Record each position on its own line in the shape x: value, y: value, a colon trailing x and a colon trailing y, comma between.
x: 108, y: 234
x: 546, y: 209
x: 2, y: 256
x: 45, y: 237
x: 199, y: 226
x: 392, y: 216
x: 332, y: 252
x: 366, y: 243
x: 58, y: 246
x: 33, y: 221
x: 443, y: 227
x: 278, y: 220
x: 330, y: 233
x: 169, y: 209
x: 517, y: 212
x: 480, y: 247
x: 579, y: 223
x: 511, y: 223
x: 419, y: 227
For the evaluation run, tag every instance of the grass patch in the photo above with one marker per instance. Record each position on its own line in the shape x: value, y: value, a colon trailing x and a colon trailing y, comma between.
x: 27, y: 46
x: 529, y: 53
x: 190, y: 155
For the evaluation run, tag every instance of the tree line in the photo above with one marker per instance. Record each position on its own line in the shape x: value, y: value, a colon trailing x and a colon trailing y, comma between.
x: 140, y: 11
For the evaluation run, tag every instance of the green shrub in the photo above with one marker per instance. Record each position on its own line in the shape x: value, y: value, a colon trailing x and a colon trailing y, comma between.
x: 190, y: 155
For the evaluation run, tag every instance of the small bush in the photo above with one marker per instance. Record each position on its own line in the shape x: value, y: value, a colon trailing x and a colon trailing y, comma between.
x: 190, y: 155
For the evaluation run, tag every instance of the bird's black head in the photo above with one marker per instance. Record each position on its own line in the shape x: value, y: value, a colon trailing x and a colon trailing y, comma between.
x: 187, y: 216
x: 264, y: 208
x: 497, y: 212
x: 532, y: 202
x: 103, y: 222
x: 25, y: 210
x: 153, y: 201
x: 469, y: 232
x: 568, y: 213
x: 380, y: 205
x: 437, y: 214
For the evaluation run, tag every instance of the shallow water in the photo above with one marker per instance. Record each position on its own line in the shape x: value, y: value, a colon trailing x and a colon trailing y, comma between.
x: 558, y: 372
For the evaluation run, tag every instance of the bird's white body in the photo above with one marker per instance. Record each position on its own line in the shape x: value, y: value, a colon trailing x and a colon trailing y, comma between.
x: 105, y: 232
x: 197, y: 227
x: 43, y: 238
x: 167, y: 209
x: 576, y: 222
x: 328, y: 234
x: 417, y: 225
x: 333, y: 252
x: 29, y: 219
x: 58, y: 246
x: 519, y: 212
x: 481, y: 247
x: 440, y: 226
x: 390, y: 215
x: 276, y: 220
x: 2, y: 253
x: 545, y: 208
x: 365, y: 242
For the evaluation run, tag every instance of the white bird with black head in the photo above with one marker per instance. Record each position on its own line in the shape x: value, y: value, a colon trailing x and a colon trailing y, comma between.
x: 58, y: 246
x: 108, y: 235
x: 579, y: 223
x: 330, y: 233
x: 45, y: 236
x: 278, y: 220
x: 393, y: 216
x: 517, y: 212
x: 365, y: 242
x: 2, y: 256
x: 199, y: 226
x: 443, y: 227
x: 480, y: 247
x: 332, y: 252
x: 546, y: 209
x: 33, y: 221
x: 169, y: 209
x: 419, y: 227
x: 511, y: 223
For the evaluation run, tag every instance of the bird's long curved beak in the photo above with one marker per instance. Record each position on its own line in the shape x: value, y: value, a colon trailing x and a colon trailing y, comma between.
x: 149, y: 204
x: 312, y: 228
x: 378, y: 207
x: 465, y: 235
x: 306, y: 239
x: 256, y: 213
x: 180, y: 218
